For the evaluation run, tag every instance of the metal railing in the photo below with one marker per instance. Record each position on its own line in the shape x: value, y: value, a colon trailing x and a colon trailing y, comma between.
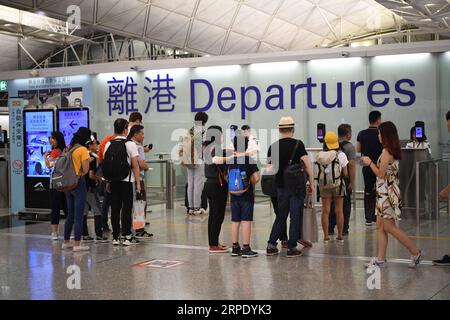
x: 166, y: 185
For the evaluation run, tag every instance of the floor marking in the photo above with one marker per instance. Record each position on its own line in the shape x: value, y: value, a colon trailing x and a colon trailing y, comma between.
x: 262, y: 252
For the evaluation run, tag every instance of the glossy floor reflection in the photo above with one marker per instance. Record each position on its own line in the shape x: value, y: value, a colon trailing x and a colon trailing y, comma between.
x: 34, y: 267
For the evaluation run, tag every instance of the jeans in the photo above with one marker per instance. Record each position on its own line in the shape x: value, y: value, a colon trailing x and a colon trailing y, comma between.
x: 217, y: 198
x: 58, y: 203
x: 76, y: 200
x: 283, y: 236
x: 347, y: 210
x: 195, y: 182
x: 370, y: 194
x: 93, y: 200
x: 121, y: 206
x: 288, y: 203
x: 105, y: 205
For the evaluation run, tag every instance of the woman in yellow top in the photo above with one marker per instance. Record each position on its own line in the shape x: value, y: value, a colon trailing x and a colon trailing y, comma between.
x: 76, y: 199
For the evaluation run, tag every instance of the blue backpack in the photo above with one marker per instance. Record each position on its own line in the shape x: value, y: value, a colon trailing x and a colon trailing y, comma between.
x: 238, y: 182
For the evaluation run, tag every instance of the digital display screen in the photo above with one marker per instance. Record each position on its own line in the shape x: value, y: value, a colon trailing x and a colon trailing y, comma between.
x: 320, y: 131
x: 38, y: 129
x: 69, y: 120
x: 320, y: 134
x: 419, y: 133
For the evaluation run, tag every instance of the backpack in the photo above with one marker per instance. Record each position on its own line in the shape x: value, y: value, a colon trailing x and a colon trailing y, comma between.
x: 238, y: 182
x: 115, y: 163
x: 101, y: 147
x: 64, y: 178
x: 295, y: 176
x: 188, y: 152
x: 328, y: 170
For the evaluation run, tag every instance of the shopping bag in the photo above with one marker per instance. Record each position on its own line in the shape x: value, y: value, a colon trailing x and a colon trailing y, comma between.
x: 310, y: 230
x: 138, y: 214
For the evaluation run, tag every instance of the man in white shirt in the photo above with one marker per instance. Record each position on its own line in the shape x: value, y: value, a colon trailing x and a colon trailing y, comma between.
x: 253, y: 146
x: 137, y: 135
x: 134, y: 119
x: 122, y: 190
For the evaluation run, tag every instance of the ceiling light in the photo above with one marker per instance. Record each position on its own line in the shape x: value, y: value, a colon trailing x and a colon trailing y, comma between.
x: 7, y: 25
x: 52, y: 35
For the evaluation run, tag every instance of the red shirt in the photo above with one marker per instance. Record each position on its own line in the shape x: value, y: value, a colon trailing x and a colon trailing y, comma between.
x: 101, y: 147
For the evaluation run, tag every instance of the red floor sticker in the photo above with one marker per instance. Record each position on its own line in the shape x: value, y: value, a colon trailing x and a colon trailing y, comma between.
x: 158, y: 263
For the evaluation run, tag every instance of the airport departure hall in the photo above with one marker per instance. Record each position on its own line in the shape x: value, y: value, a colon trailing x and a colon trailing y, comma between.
x: 243, y: 151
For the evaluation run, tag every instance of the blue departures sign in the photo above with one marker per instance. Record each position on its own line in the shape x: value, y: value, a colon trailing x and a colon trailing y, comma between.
x: 160, y: 95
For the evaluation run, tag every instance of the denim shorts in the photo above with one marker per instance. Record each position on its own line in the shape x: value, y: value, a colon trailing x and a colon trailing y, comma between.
x: 241, y: 210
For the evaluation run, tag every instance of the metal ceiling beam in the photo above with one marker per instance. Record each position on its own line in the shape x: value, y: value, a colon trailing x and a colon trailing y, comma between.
x: 227, y: 35
x: 29, y: 55
x: 327, y: 22
x: 266, y: 29
x: 191, y: 22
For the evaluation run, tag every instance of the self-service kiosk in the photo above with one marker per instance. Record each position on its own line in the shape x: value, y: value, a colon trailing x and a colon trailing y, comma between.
x: 38, y: 127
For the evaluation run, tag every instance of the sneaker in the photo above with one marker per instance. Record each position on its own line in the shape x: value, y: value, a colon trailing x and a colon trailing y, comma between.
x: 326, y: 240
x: 80, y: 248
x: 305, y: 243
x: 203, y: 211
x: 72, y: 237
x: 55, y: 236
x: 218, y: 249
x: 144, y: 235
x: 67, y: 245
x: 236, y: 251
x: 249, y: 253
x: 445, y: 261
x: 374, y: 262
x: 415, y: 260
x: 190, y: 211
x: 292, y: 253
x: 369, y: 223
x: 116, y: 242
x: 197, y: 212
x: 87, y: 238
x: 271, y: 251
x: 130, y: 240
x: 101, y: 239
x: 284, y: 244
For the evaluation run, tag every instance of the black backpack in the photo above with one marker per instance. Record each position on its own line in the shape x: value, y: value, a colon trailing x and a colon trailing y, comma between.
x: 294, y: 175
x: 115, y: 163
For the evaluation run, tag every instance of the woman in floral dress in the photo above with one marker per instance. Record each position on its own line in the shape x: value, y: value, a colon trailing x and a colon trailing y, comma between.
x: 388, y: 196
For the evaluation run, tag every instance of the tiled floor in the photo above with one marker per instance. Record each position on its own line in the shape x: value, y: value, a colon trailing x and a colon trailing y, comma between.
x: 34, y: 267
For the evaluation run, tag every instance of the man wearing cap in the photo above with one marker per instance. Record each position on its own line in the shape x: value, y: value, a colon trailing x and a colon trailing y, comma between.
x: 279, y: 155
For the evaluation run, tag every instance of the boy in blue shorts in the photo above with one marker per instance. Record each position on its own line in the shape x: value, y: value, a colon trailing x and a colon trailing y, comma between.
x: 243, y: 175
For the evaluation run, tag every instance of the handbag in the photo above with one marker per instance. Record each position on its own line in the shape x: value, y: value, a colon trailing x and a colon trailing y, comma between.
x: 268, y: 185
x: 310, y: 229
x: 294, y: 175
